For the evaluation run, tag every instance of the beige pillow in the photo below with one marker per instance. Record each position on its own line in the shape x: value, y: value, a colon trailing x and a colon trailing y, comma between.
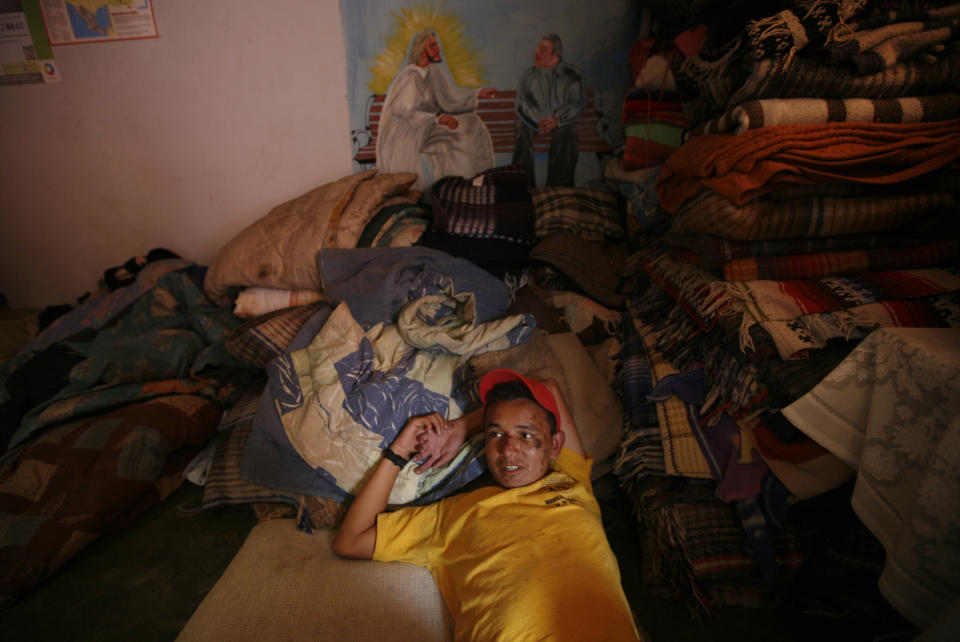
x: 279, y: 250
x: 596, y: 408
x: 284, y: 584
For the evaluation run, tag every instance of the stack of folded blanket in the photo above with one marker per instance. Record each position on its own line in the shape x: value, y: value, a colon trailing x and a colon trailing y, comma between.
x: 810, y: 203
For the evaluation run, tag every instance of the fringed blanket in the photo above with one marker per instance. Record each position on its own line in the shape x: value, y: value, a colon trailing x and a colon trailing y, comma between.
x: 820, y: 217
x: 742, y: 167
x: 711, y: 88
x: 681, y: 450
x: 641, y: 451
x: 754, y: 114
x: 800, y: 315
x: 713, y: 252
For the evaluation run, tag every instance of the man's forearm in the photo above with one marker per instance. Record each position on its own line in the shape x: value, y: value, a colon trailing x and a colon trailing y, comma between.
x: 357, y: 536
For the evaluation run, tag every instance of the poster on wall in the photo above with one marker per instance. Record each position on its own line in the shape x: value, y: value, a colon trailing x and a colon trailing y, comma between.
x: 80, y: 21
x: 25, y: 54
x: 457, y: 87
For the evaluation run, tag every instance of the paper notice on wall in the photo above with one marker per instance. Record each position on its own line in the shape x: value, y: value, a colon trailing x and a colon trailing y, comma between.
x: 25, y: 54
x: 79, y: 21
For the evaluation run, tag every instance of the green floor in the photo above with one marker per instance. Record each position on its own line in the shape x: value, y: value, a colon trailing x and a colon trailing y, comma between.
x: 144, y: 583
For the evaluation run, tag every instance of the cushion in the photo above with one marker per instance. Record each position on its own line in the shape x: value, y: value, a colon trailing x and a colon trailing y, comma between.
x: 591, y: 214
x: 259, y: 340
x: 285, y: 584
x: 595, y: 406
x: 279, y: 250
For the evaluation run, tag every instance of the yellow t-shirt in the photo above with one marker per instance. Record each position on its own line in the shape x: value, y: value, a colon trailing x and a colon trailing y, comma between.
x: 528, y: 563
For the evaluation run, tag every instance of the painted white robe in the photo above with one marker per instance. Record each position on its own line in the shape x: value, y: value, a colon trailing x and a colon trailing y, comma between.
x: 411, y: 140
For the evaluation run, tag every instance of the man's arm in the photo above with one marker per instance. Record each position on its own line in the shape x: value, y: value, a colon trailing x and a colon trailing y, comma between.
x: 357, y: 536
x: 571, y: 435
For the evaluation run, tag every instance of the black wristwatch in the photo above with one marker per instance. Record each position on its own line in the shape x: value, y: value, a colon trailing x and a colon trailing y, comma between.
x: 394, y: 458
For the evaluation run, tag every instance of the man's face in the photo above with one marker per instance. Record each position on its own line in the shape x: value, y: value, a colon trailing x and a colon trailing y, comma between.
x: 543, y: 55
x: 432, y: 49
x: 518, y: 443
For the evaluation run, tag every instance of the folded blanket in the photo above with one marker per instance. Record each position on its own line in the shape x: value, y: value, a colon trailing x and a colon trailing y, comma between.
x: 820, y: 217
x: 713, y: 252
x: 740, y: 377
x: 874, y: 51
x: 641, y: 451
x: 754, y: 114
x: 822, y: 264
x: 494, y: 204
x: 711, y: 88
x: 681, y: 450
x: 800, y: 315
x: 742, y: 167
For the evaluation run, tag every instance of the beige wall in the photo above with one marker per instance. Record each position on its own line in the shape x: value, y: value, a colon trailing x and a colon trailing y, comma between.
x: 177, y: 142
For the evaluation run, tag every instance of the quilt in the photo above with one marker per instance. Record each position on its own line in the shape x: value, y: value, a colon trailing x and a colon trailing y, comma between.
x: 87, y: 477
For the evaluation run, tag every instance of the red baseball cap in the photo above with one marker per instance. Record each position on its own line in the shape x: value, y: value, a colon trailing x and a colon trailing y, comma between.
x: 539, y: 391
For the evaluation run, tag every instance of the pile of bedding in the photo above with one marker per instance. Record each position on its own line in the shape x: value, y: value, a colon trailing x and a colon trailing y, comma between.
x: 101, y: 413
x: 362, y: 328
x: 794, y: 226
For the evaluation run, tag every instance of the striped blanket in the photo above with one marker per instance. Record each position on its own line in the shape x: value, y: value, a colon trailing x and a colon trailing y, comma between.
x: 590, y: 213
x: 754, y: 114
x: 713, y: 252
x: 681, y: 450
x: 744, y: 166
x: 494, y: 204
x: 823, y: 264
x: 800, y: 315
x: 820, y: 217
x: 711, y: 88
x: 641, y: 451
x: 872, y: 48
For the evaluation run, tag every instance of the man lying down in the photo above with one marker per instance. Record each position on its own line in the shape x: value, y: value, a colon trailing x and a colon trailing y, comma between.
x: 526, y: 559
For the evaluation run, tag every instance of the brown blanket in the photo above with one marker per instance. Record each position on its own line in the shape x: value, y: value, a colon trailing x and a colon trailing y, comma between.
x: 742, y: 167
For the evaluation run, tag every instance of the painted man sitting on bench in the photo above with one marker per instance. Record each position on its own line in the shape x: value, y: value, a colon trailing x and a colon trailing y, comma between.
x: 526, y: 559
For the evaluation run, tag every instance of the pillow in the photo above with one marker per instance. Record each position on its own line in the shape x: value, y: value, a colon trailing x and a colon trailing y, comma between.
x: 279, y: 250
x: 591, y: 214
x: 284, y: 584
x: 595, y: 406
x: 259, y: 340
x: 254, y: 302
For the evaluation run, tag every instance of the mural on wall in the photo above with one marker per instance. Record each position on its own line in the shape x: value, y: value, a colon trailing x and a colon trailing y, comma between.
x: 428, y: 125
x: 453, y: 88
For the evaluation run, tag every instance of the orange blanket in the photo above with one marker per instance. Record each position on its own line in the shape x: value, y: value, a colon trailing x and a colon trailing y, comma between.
x: 744, y: 166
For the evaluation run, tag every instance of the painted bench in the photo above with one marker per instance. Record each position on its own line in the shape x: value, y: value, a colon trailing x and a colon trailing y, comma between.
x: 498, y: 114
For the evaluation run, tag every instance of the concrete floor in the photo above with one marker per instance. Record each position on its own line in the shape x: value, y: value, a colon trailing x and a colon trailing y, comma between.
x: 145, y: 582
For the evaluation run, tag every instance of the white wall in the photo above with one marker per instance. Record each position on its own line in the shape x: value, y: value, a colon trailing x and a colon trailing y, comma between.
x: 177, y: 142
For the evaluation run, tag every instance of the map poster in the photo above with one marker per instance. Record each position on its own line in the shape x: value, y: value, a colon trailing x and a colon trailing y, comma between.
x: 78, y: 21
x: 25, y: 54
